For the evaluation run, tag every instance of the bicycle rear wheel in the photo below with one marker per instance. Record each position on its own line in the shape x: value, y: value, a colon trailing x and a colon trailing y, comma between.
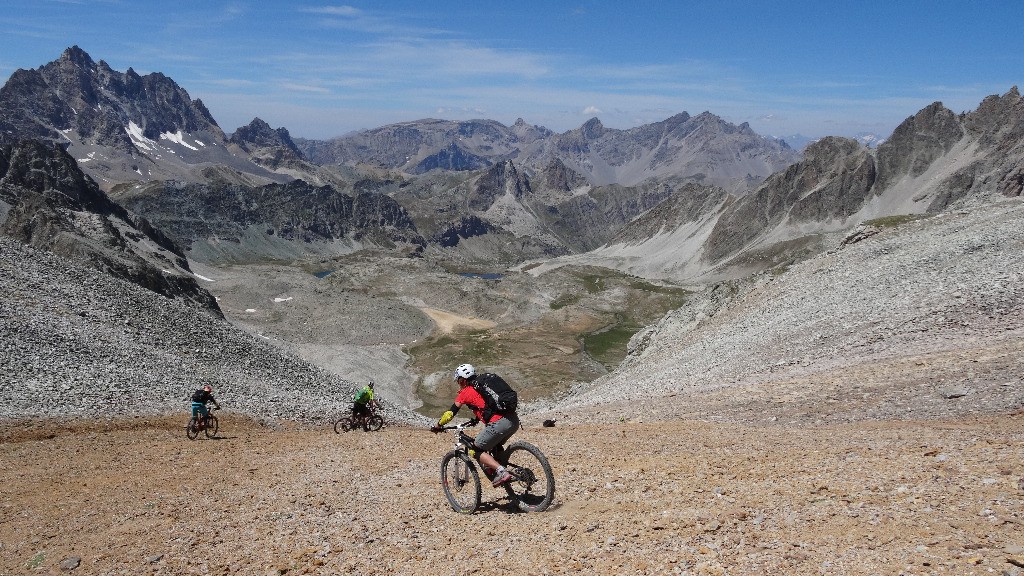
x: 342, y: 425
x: 461, y: 482
x: 211, y: 426
x: 192, y: 428
x: 373, y: 423
x: 533, y: 483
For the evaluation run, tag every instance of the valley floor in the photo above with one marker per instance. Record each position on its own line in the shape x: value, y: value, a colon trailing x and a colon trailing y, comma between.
x: 683, y: 497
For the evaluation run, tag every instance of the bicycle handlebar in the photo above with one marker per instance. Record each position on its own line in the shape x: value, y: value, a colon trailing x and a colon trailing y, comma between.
x: 463, y: 426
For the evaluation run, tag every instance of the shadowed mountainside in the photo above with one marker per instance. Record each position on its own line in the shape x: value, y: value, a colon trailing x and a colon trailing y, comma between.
x: 46, y: 202
x: 933, y: 160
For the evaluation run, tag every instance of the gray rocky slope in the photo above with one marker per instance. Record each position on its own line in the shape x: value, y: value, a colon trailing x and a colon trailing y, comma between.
x: 922, y: 320
x: 76, y: 342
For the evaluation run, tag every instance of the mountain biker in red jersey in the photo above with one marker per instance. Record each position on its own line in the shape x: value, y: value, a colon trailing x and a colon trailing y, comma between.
x: 497, y: 429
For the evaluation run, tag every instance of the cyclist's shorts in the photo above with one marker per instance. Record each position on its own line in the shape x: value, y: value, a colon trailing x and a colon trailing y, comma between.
x: 360, y: 409
x: 199, y: 409
x: 497, y: 432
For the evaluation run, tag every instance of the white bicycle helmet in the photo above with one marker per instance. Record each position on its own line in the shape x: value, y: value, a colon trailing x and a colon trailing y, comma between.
x: 465, y: 371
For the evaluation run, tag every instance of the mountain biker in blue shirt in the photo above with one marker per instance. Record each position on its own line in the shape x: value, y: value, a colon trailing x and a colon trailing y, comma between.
x: 199, y: 400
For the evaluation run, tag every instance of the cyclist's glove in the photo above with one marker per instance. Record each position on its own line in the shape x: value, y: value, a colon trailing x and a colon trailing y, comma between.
x: 436, y: 429
x: 446, y: 418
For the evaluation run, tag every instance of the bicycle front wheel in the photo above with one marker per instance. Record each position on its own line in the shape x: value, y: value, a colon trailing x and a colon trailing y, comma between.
x: 192, y: 429
x: 373, y: 423
x: 461, y: 482
x: 532, y: 487
x: 211, y: 426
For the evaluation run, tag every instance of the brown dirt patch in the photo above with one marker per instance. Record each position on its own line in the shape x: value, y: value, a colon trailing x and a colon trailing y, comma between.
x: 683, y: 496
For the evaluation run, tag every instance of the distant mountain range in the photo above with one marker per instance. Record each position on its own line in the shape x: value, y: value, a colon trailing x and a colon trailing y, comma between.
x: 799, y: 141
x: 702, y: 148
x: 123, y: 127
x: 686, y: 197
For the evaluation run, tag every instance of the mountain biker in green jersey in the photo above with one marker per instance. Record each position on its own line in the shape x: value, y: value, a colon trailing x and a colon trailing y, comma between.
x: 497, y: 429
x: 362, y: 402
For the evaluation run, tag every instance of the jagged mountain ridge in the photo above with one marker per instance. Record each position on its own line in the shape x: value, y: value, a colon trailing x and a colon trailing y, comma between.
x: 932, y: 161
x: 124, y: 127
x: 120, y: 127
x: 702, y: 148
x: 274, y: 149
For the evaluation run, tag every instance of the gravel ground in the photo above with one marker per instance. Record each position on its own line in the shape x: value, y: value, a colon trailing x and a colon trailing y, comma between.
x: 680, y: 497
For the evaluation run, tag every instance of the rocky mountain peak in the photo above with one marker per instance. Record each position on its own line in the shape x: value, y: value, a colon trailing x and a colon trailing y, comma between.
x: 999, y: 120
x: 128, y: 126
x: 557, y: 176
x: 917, y: 142
x: 74, y: 98
x: 77, y: 56
x: 259, y: 134
x: 592, y: 129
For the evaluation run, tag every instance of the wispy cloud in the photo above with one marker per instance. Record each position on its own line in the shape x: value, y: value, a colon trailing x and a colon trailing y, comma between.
x: 304, y: 88
x: 334, y: 10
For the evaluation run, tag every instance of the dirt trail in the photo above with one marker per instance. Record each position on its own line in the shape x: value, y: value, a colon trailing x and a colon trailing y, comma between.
x: 685, y: 497
x: 446, y: 321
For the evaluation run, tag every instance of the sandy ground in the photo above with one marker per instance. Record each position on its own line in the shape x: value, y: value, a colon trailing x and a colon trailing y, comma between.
x: 676, y: 497
x: 447, y: 321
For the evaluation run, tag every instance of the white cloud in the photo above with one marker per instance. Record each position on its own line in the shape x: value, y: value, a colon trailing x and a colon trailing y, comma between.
x: 591, y: 110
x: 335, y: 10
x: 305, y: 88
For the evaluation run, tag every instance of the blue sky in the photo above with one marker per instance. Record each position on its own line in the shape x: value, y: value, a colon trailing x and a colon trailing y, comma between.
x: 814, y: 68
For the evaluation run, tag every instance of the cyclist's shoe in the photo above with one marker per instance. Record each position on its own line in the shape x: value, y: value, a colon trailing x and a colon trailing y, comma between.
x: 501, y: 478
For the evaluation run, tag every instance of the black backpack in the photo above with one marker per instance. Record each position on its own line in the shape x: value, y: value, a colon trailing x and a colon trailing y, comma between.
x: 499, y: 397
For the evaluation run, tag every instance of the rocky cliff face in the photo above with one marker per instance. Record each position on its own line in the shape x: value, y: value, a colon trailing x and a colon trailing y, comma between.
x: 50, y: 204
x: 242, y: 223
x: 831, y: 183
x: 549, y: 213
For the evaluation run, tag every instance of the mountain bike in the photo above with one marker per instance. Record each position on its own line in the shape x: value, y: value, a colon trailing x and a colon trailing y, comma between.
x: 531, y: 489
x: 370, y: 423
x: 197, y: 424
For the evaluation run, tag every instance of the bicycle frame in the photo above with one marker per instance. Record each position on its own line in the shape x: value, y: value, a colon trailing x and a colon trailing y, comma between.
x: 463, y: 441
